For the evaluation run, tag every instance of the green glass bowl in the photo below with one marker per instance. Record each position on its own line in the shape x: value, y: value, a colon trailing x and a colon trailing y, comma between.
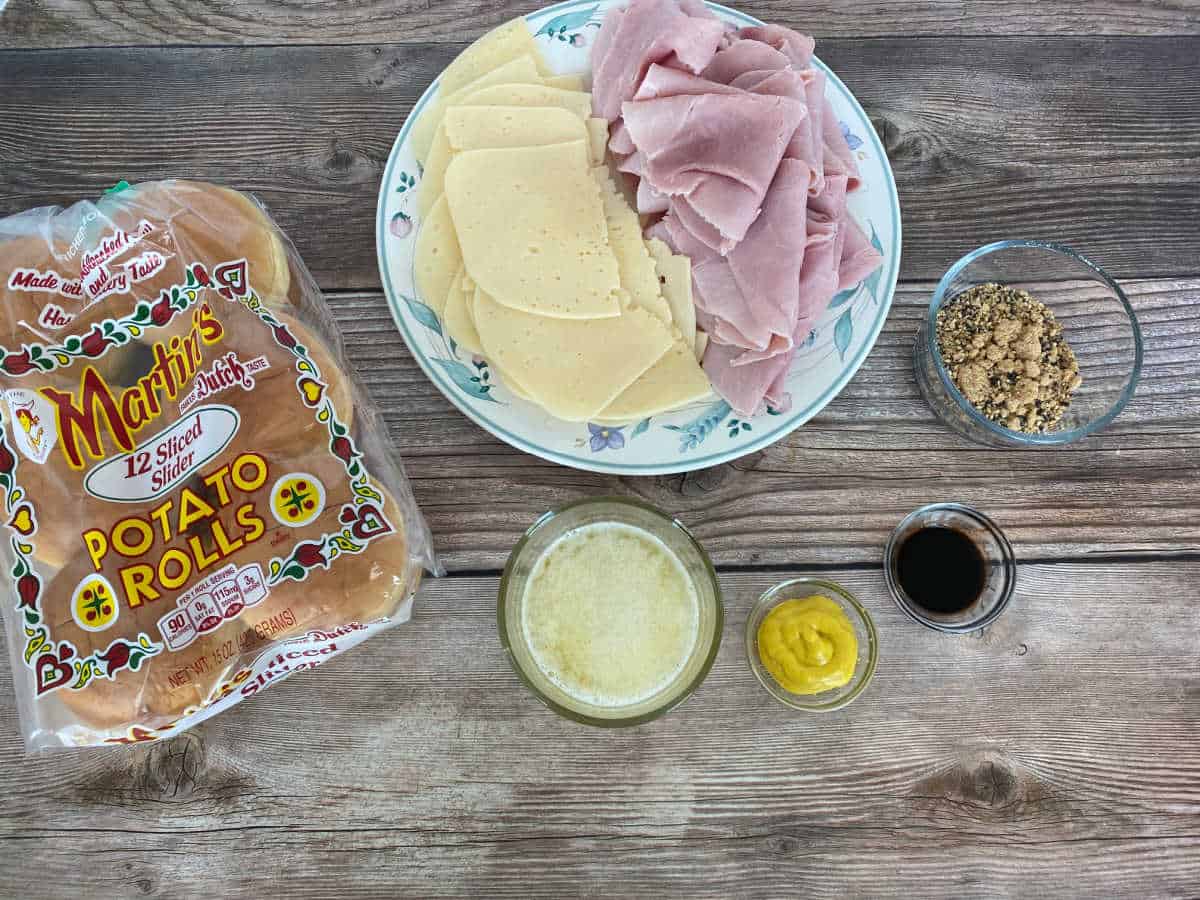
x: 678, y: 539
x: 864, y: 631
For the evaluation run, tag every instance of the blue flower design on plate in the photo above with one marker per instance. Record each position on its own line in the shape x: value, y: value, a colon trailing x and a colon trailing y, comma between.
x: 606, y: 438
x: 561, y: 27
x: 853, y: 141
x: 692, y: 434
x: 474, y: 383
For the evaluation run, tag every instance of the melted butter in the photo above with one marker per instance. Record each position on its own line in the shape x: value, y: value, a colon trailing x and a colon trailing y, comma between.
x: 610, y: 614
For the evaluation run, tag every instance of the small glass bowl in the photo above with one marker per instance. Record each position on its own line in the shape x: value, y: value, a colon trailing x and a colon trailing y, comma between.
x: 1000, y: 577
x: 549, y: 528
x: 1098, y: 324
x: 864, y: 631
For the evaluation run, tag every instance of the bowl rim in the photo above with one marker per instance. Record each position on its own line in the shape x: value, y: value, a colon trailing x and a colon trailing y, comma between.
x: 911, y: 609
x: 718, y: 613
x: 768, y: 681
x: 1020, y: 437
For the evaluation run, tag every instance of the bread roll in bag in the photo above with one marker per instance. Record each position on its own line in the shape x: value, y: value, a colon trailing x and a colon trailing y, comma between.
x: 196, y: 497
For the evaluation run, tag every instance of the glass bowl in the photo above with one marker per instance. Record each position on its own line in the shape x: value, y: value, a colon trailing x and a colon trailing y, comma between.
x: 552, y: 526
x: 1098, y: 324
x: 864, y: 631
x: 1000, y: 566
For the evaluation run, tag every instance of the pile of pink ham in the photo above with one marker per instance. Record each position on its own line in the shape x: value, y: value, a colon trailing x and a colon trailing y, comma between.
x: 737, y: 152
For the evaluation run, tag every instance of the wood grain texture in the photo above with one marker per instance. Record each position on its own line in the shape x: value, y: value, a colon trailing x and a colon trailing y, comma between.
x: 81, y: 23
x: 1091, y: 141
x: 833, y: 490
x: 1055, y: 749
x: 1053, y: 753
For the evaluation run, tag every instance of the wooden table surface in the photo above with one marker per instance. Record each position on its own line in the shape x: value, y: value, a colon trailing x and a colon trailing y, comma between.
x: 1057, y: 752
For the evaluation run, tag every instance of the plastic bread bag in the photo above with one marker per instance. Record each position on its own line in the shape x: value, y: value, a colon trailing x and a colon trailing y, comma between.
x: 197, y: 498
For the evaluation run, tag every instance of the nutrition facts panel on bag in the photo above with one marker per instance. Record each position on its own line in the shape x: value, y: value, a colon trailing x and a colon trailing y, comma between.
x: 211, y: 602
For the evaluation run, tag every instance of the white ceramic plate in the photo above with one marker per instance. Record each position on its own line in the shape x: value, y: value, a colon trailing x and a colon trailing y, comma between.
x: 700, y: 435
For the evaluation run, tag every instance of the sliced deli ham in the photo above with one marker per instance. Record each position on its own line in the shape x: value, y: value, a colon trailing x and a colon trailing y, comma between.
x: 619, y: 141
x: 740, y: 136
x: 633, y: 164
x: 838, y: 149
x: 805, y: 145
x: 699, y: 229
x: 814, y: 93
x: 700, y: 10
x: 604, y: 39
x: 831, y: 201
x: 673, y: 232
x: 648, y: 31
x: 719, y: 151
x: 664, y: 81
x: 859, y: 256
x: 819, y: 273
x: 744, y: 56
x: 743, y: 387
x: 796, y: 46
x: 755, y: 292
x: 727, y: 205
x: 766, y: 265
x: 650, y: 201
x: 741, y: 158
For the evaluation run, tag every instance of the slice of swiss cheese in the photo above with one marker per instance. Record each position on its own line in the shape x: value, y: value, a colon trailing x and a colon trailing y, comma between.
x: 675, y: 272
x: 701, y: 344
x: 638, y: 274
x: 573, y: 368
x: 522, y: 70
x: 437, y: 257
x: 530, y: 223
x: 433, y: 175
x: 674, y: 380
x: 514, y: 387
x: 500, y: 45
x: 482, y: 127
x: 529, y: 95
x: 457, y: 318
x: 565, y: 82
x: 598, y: 138
x: 510, y: 94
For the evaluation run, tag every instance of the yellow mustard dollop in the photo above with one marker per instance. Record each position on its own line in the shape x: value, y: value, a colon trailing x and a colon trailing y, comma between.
x: 808, y: 645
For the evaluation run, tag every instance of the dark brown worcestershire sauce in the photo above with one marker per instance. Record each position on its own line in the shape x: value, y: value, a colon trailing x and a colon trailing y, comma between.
x: 940, y: 569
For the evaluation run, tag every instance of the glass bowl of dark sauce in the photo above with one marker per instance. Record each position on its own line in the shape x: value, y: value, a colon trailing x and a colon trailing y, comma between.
x: 950, y: 568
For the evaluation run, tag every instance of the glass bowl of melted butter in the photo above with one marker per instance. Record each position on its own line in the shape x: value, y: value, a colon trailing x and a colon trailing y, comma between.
x: 610, y: 612
x: 811, y: 644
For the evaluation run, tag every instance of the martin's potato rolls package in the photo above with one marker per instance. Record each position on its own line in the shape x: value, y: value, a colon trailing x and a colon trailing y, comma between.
x: 197, y: 498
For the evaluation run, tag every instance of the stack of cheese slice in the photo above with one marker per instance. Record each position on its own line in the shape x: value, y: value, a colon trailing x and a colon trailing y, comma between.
x: 533, y: 258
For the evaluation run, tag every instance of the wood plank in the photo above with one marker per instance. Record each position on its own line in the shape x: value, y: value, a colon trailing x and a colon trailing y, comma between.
x: 84, y: 23
x: 1056, y: 749
x: 833, y: 490
x: 1091, y: 141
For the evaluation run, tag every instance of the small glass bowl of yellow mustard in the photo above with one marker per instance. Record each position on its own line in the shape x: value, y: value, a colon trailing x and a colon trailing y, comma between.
x: 811, y: 644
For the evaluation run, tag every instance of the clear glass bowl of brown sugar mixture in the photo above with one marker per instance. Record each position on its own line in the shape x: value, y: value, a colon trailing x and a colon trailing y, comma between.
x: 1027, y: 343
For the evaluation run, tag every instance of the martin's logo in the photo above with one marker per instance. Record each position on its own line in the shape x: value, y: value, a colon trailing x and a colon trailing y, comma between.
x: 83, y: 416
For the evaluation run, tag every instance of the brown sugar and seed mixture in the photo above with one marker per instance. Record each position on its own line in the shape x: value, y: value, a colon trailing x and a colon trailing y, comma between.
x: 1006, y: 353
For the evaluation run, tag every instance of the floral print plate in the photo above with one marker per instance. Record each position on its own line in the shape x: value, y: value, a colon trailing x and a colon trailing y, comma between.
x: 703, y: 434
